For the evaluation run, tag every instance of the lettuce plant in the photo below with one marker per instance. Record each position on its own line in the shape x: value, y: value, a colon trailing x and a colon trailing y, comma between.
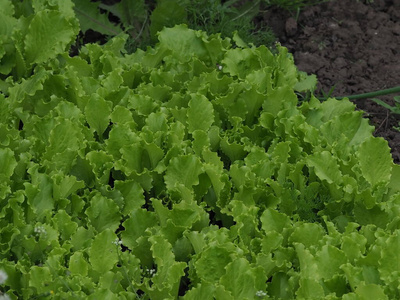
x: 190, y: 171
x: 32, y: 32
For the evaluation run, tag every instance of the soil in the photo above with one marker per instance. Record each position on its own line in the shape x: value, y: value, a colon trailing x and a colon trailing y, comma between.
x: 351, y: 45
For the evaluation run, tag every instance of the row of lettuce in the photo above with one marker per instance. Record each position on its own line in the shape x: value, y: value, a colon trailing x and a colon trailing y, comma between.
x: 187, y: 171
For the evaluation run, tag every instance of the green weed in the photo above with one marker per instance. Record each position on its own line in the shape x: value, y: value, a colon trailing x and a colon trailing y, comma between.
x: 143, y: 19
x: 293, y: 5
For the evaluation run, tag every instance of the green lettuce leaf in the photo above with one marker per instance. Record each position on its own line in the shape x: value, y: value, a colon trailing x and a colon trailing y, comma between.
x: 242, y: 280
x: 200, y: 113
x: 103, y: 213
x: 48, y: 35
x: 326, y: 167
x: 103, y: 252
x: 375, y: 160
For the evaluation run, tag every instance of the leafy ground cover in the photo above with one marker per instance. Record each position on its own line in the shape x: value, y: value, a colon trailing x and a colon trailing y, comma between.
x: 351, y: 46
x: 189, y: 170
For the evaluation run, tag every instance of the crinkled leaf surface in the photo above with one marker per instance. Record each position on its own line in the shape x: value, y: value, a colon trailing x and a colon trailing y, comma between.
x: 98, y: 113
x: 375, y: 162
x: 188, y: 170
x: 200, y: 113
x: 103, y: 252
x: 48, y: 35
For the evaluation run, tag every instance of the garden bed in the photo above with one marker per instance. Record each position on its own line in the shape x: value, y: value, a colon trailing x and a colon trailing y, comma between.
x: 352, y: 46
x: 197, y: 167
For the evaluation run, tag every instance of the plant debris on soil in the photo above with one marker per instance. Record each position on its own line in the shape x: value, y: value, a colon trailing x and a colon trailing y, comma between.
x: 352, y: 46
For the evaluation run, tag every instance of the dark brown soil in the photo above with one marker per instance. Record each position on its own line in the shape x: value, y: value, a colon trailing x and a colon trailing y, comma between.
x: 352, y: 45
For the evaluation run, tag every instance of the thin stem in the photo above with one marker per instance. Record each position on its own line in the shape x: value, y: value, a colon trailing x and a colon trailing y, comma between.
x: 246, y: 11
x: 141, y: 29
x: 367, y: 95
